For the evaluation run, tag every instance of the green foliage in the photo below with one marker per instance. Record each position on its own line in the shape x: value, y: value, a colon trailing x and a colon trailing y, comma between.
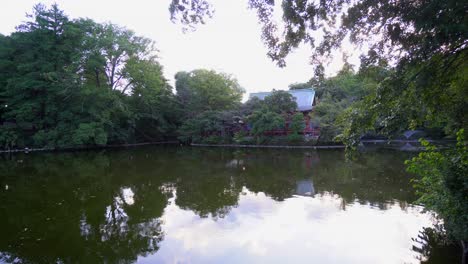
x: 337, y: 97
x: 89, y: 134
x: 443, y: 186
x: 429, y: 95
x: 190, y: 13
x: 297, y: 123
x: 418, y: 29
x: 356, y: 122
x: 251, y: 105
x: 204, y: 90
x: 70, y: 83
x: 195, y: 128
x: 156, y: 110
x: 226, y: 124
x: 299, y: 86
x: 209, y: 102
x: 8, y: 138
x: 213, y: 139
x: 208, y: 127
x: 243, y: 138
x: 296, y: 126
x: 264, y: 120
x: 295, y: 138
x: 280, y: 102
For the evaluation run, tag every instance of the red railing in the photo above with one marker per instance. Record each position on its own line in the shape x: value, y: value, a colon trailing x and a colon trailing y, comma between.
x: 310, y: 131
x: 315, y: 131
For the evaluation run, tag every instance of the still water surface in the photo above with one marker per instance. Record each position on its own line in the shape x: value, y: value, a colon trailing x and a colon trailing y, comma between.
x: 200, y: 205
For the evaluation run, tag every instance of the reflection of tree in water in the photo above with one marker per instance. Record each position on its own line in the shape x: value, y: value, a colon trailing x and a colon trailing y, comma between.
x: 75, y: 208
x: 272, y: 172
x: 125, y: 233
x: 434, y: 247
x: 98, y: 207
x: 379, y: 179
x: 206, y: 186
x: 207, y: 197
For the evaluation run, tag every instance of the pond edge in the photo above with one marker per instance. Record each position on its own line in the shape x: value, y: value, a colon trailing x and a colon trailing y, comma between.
x: 268, y: 146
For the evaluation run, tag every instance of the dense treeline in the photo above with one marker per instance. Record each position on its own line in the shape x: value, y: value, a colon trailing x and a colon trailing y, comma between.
x: 338, y: 94
x: 73, y: 83
x: 249, y: 123
x: 218, y: 121
x: 70, y: 83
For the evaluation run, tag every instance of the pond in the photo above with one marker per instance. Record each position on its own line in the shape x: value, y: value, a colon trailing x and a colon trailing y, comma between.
x: 212, y: 205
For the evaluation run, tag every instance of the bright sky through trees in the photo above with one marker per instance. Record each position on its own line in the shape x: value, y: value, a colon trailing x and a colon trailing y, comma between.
x: 230, y: 42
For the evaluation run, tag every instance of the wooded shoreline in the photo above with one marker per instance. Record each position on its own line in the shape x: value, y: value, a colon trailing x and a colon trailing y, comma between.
x: 27, y: 150
x: 269, y: 146
x: 340, y: 146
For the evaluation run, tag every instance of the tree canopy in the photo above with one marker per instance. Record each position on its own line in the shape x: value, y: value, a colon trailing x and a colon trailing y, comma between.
x: 71, y: 83
x: 201, y: 90
x: 408, y: 29
x: 444, y: 186
x: 280, y: 102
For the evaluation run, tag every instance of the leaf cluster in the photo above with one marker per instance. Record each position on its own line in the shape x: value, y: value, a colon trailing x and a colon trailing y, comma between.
x: 443, y: 184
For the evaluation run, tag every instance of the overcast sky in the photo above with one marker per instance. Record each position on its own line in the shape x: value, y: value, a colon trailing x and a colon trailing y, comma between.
x: 230, y: 42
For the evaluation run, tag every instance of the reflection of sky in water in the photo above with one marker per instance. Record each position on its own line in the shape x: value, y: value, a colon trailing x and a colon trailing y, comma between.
x: 296, y: 207
x: 297, y: 230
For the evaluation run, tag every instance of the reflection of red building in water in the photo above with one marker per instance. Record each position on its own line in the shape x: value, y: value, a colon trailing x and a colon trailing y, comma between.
x: 305, y: 99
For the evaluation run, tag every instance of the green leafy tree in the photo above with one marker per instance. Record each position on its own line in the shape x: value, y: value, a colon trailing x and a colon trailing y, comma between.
x: 74, y: 83
x: 420, y: 28
x: 337, y: 94
x: 200, y: 126
x: 299, y: 86
x: 296, y: 126
x: 280, y: 102
x: 209, y: 127
x: 112, y: 51
x: 203, y: 90
x: 156, y: 111
x: 264, y: 120
x: 297, y: 123
x: 443, y: 186
x: 42, y: 79
x: 251, y: 105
